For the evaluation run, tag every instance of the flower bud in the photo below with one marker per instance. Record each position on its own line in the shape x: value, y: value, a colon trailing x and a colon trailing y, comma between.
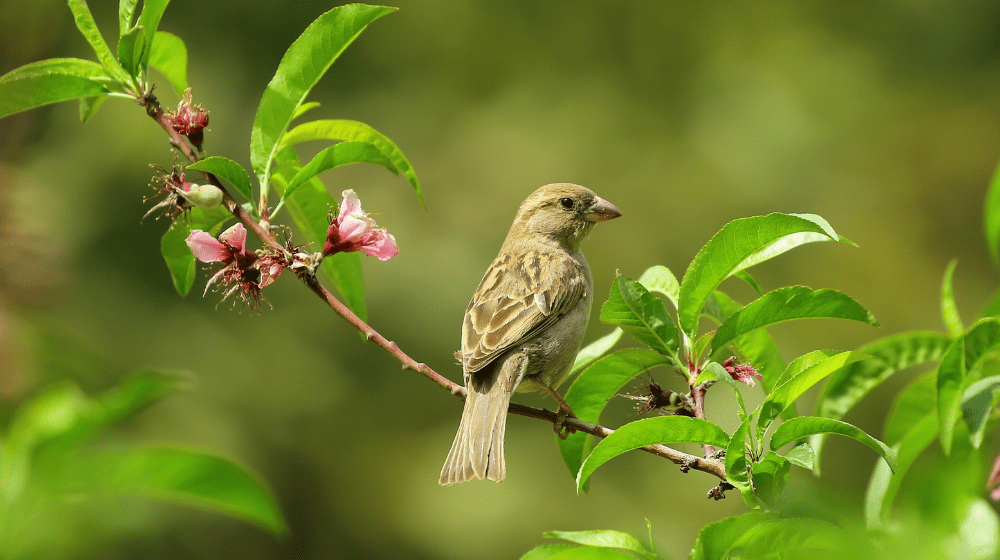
x: 203, y: 196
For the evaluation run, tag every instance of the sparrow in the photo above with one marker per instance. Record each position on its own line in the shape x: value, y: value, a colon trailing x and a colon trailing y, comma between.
x: 525, y: 323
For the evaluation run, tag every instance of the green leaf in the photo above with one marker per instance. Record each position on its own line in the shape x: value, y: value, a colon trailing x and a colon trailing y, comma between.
x: 894, y: 353
x: 911, y: 405
x: 591, y: 391
x: 978, y: 400
x: 546, y: 551
x: 169, y: 56
x: 651, y: 431
x: 797, y: 537
x: 85, y: 23
x: 741, y: 244
x: 149, y: 19
x: 304, y: 63
x: 884, y: 484
x: 715, y: 372
x: 591, y: 352
x: 803, y: 426
x: 640, y: 314
x: 981, y: 340
x: 737, y: 472
x: 758, y: 347
x: 950, y: 378
x: 790, y: 390
x: 659, y: 279
x: 949, y: 311
x: 229, y: 170
x: 802, y: 455
x: 309, y: 206
x: 592, y: 553
x: 89, y: 107
x: 991, y: 218
x: 131, y: 50
x: 770, y: 476
x: 192, y: 478
x: 337, y: 155
x: 180, y: 261
x: 345, y: 130
x: 745, y: 276
x: 605, y: 539
x: 716, y: 539
x: 992, y: 307
x: 786, y: 304
x: 305, y: 108
x: 51, y: 81
x: 126, y: 13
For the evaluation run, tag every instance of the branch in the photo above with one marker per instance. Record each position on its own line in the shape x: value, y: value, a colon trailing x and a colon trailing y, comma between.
x: 153, y: 109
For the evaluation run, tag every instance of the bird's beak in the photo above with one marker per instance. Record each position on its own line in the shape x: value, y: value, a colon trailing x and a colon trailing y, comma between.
x: 602, y: 210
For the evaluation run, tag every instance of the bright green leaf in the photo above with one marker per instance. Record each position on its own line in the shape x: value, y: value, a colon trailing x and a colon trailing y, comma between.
x: 305, y: 108
x: 741, y: 244
x: 131, y: 50
x: 591, y: 352
x: 227, y: 169
x: 770, y: 476
x: 991, y: 217
x: 978, y: 400
x: 949, y: 311
x: 911, y: 405
x: 796, y: 537
x: 758, y: 347
x: 737, y: 472
x: 592, y: 389
x: 802, y: 455
x: 804, y: 426
x: 335, y: 156
x: 715, y: 372
x: 745, y: 276
x: 651, y: 431
x: 169, y: 55
x: 592, y: 553
x: 304, y: 63
x: 149, y: 19
x: 604, y: 538
x: 715, y: 540
x: 546, y: 551
x: 950, y: 378
x: 89, y: 107
x: 126, y: 13
x: 180, y: 261
x: 659, y: 279
x: 347, y: 131
x: 884, y: 484
x: 786, y: 304
x: 642, y: 315
x: 85, y: 23
x: 51, y: 81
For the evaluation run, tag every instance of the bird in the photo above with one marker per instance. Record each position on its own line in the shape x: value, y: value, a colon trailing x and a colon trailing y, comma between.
x: 525, y: 323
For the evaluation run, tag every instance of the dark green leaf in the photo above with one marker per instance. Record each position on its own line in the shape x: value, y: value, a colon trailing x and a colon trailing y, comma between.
x: 126, y: 12
x: 546, y: 551
x: 604, y: 538
x: 193, y: 478
x: 180, y: 261
x: 591, y: 352
x: 977, y: 402
x: 950, y: 378
x: 745, y: 276
x: 310, y: 206
x: 770, y: 476
x: 802, y: 455
x: 790, y: 390
x: 741, y: 244
x: 304, y: 63
x: 227, y: 169
x: 786, y: 304
x: 169, y: 55
x: 89, y: 107
x: 131, y: 50
x: 884, y: 484
x: 344, y: 130
x: 736, y: 462
x: 591, y: 391
x: 640, y: 314
x: 991, y: 217
x: 981, y: 340
x: 85, y: 23
x: 659, y: 279
x: 149, y: 19
x: 949, y: 311
x: 337, y: 155
x: 651, y: 431
x: 804, y: 426
x: 52, y: 81
x: 889, y: 355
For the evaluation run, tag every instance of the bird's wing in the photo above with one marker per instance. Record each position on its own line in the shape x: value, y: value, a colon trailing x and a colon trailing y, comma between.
x: 517, y: 299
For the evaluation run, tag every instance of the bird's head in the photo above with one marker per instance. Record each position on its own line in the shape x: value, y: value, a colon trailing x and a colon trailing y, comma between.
x: 563, y: 213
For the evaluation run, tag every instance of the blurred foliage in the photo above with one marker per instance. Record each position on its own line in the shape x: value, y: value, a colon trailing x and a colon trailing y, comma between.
x: 879, y: 116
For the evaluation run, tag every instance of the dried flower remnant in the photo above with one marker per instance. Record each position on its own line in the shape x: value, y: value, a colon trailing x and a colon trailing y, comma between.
x: 354, y: 230
x: 653, y: 397
x: 240, y: 273
x: 742, y: 372
x: 179, y: 195
x: 189, y: 119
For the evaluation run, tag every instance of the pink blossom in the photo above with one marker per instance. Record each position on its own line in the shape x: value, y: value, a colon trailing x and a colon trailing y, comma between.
x: 993, y: 483
x: 241, y: 268
x: 189, y: 119
x: 741, y: 372
x: 354, y: 230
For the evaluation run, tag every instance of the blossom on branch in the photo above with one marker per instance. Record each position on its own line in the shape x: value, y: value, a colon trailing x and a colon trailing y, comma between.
x: 240, y: 273
x: 189, y: 119
x: 354, y: 230
x: 179, y: 195
x: 742, y: 372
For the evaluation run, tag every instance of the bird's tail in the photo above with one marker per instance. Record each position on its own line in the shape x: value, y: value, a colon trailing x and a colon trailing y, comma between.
x: 478, y: 448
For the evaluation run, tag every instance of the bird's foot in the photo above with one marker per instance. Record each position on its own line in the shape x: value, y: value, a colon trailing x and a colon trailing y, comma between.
x: 564, y: 412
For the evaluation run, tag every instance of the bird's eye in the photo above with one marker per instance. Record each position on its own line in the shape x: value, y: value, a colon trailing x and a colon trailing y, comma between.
x: 567, y: 203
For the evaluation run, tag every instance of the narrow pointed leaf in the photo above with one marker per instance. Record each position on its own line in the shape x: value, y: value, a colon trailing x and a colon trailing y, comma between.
x: 745, y: 276
x: 978, y: 400
x: 758, y: 347
x: 169, y: 56
x: 659, y: 279
x: 304, y: 63
x: 591, y: 352
x: 52, y: 81
x: 131, y: 49
x: 949, y: 311
x: 786, y: 304
x: 791, y: 389
x: 594, y: 387
x: 991, y: 218
x: 337, y: 155
x: 770, y: 475
x: 715, y: 372
x: 89, y: 107
x: 736, y: 462
x: 911, y: 405
x: 640, y: 314
x: 85, y: 23
x: 739, y: 245
x: 884, y: 483
x: 650, y: 431
x: 950, y: 378
x: 192, y: 478
x: 346, y: 131
x: 604, y: 539
x: 305, y: 108
x: 126, y: 13
x: 804, y: 426
x: 227, y: 169
x: 802, y: 455
x: 149, y: 19
x: 180, y: 261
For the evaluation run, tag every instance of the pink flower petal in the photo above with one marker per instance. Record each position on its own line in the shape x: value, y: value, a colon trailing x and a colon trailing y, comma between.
x: 382, y: 245
x: 206, y: 248
x: 235, y: 237
x: 350, y: 205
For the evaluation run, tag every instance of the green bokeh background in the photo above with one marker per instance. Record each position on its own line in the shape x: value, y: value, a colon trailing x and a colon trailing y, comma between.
x: 880, y: 116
